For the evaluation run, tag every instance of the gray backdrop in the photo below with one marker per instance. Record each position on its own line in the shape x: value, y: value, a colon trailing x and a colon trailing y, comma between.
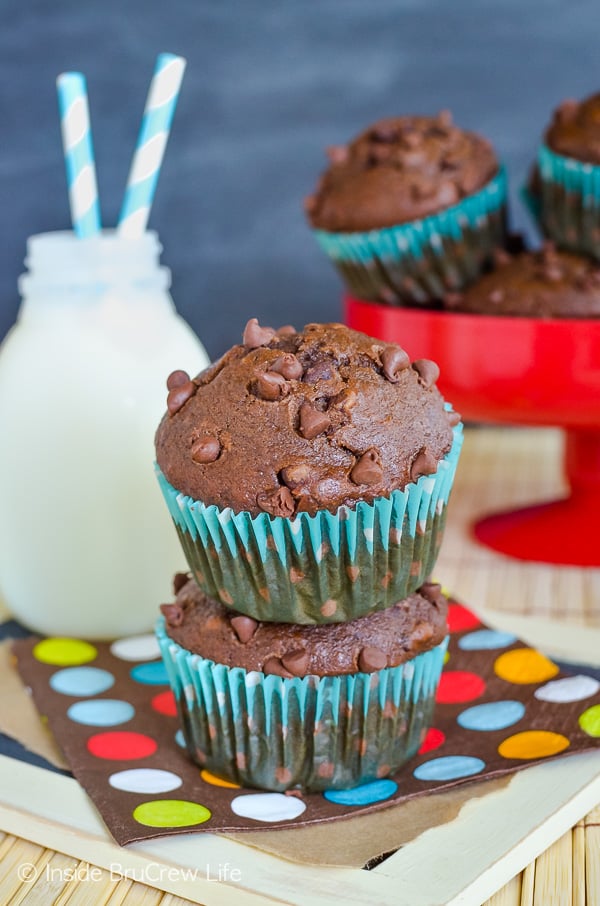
x: 269, y: 84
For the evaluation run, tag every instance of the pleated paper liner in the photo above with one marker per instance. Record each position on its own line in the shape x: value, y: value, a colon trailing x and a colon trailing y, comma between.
x: 419, y: 262
x: 326, y: 568
x: 568, y: 206
x: 501, y: 706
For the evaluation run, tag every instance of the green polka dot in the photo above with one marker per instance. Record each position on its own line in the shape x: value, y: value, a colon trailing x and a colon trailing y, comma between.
x: 171, y: 813
x: 64, y: 652
x: 590, y: 721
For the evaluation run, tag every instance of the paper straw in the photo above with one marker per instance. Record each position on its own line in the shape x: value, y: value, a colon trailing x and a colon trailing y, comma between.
x: 151, y: 144
x: 79, y: 153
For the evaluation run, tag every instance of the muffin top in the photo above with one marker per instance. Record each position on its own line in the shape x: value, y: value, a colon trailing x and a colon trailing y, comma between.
x: 397, y: 170
x: 303, y: 421
x: 383, y: 639
x: 575, y: 130
x: 543, y: 284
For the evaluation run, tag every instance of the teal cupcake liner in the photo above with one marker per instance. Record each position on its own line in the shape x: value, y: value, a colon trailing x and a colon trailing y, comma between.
x: 313, y: 733
x: 569, y: 202
x: 417, y: 263
x: 326, y: 568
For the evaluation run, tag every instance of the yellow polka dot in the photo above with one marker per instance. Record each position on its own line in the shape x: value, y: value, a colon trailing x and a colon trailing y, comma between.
x: 218, y: 781
x: 446, y: 657
x: 524, y: 665
x: 533, y: 744
x: 64, y: 652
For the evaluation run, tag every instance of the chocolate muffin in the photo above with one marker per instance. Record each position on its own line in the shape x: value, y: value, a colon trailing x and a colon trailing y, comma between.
x: 543, y: 284
x: 386, y: 638
x: 308, y: 472
x: 575, y: 130
x: 566, y: 186
x: 302, y: 422
x: 284, y: 707
x: 409, y: 209
x: 399, y: 170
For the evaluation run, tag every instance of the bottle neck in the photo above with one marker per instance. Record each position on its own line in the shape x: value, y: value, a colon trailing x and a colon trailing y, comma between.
x: 60, y: 265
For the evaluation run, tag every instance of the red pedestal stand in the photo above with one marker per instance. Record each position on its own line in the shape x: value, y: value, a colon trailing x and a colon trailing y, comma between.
x: 516, y: 371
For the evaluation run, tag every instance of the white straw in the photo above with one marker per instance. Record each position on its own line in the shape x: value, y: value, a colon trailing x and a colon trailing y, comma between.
x: 79, y: 153
x: 151, y: 144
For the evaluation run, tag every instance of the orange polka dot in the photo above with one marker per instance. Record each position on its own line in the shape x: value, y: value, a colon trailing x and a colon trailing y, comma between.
x: 533, y: 744
x: 329, y: 608
x: 214, y: 780
x: 524, y: 665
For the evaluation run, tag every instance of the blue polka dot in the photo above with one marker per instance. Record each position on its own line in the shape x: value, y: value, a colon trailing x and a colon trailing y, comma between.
x: 152, y: 674
x: 81, y: 681
x: 486, y: 639
x: 376, y: 791
x: 492, y: 716
x: 450, y: 767
x: 101, y: 712
x: 180, y: 739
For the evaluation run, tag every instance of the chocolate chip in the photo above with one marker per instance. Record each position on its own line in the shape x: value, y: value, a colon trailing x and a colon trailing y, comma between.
x: 424, y: 463
x: 270, y: 385
x: 337, y: 154
x: 496, y: 296
x: 444, y: 118
x: 277, y: 503
x: 179, y: 580
x: 453, y: 300
x: 206, y: 449
x: 567, y: 111
x: 173, y: 614
x: 368, y: 469
x: 321, y: 370
x: 296, y: 661
x: 288, y: 366
x: 501, y: 257
x: 411, y: 139
x: 244, y: 627
x: 345, y: 400
x: 453, y: 418
x: 286, y: 331
x: 371, y: 659
x: 421, y: 189
x: 384, y: 132
x: 430, y: 590
x: 178, y: 396
x: 255, y: 335
x: 422, y: 633
x: 273, y: 666
x: 394, y: 360
x: 312, y: 421
x: 310, y: 204
x: 447, y: 193
x: 295, y: 476
x: 177, y: 379
x: 428, y: 372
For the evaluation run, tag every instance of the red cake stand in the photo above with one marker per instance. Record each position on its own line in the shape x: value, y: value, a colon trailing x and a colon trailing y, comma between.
x: 524, y: 371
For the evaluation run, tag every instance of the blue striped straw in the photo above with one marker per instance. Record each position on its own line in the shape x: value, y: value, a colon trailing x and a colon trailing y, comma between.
x: 79, y: 154
x: 151, y: 144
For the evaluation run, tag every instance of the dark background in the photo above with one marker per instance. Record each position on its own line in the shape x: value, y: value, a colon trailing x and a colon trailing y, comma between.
x: 269, y: 84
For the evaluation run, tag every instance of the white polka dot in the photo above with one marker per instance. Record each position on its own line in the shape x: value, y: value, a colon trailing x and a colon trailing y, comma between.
x: 145, y: 780
x: 136, y: 648
x: 253, y: 678
x: 268, y: 807
x: 569, y: 689
x: 368, y: 533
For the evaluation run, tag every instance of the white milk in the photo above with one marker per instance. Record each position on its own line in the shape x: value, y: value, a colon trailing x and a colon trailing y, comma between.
x: 87, y: 547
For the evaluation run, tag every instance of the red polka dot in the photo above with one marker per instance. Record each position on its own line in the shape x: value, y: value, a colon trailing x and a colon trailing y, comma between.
x: 433, y: 740
x: 459, y: 618
x: 121, y: 746
x: 459, y: 686
x: 165, y: 703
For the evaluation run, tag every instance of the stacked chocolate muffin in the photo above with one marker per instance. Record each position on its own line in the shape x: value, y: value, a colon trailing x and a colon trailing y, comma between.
x: 307, y: 474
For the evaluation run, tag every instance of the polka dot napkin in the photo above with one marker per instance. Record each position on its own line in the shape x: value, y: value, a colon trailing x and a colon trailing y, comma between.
x: 501, y: 706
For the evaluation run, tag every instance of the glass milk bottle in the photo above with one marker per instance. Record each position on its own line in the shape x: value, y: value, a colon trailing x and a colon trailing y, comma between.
x: 87, y: 547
